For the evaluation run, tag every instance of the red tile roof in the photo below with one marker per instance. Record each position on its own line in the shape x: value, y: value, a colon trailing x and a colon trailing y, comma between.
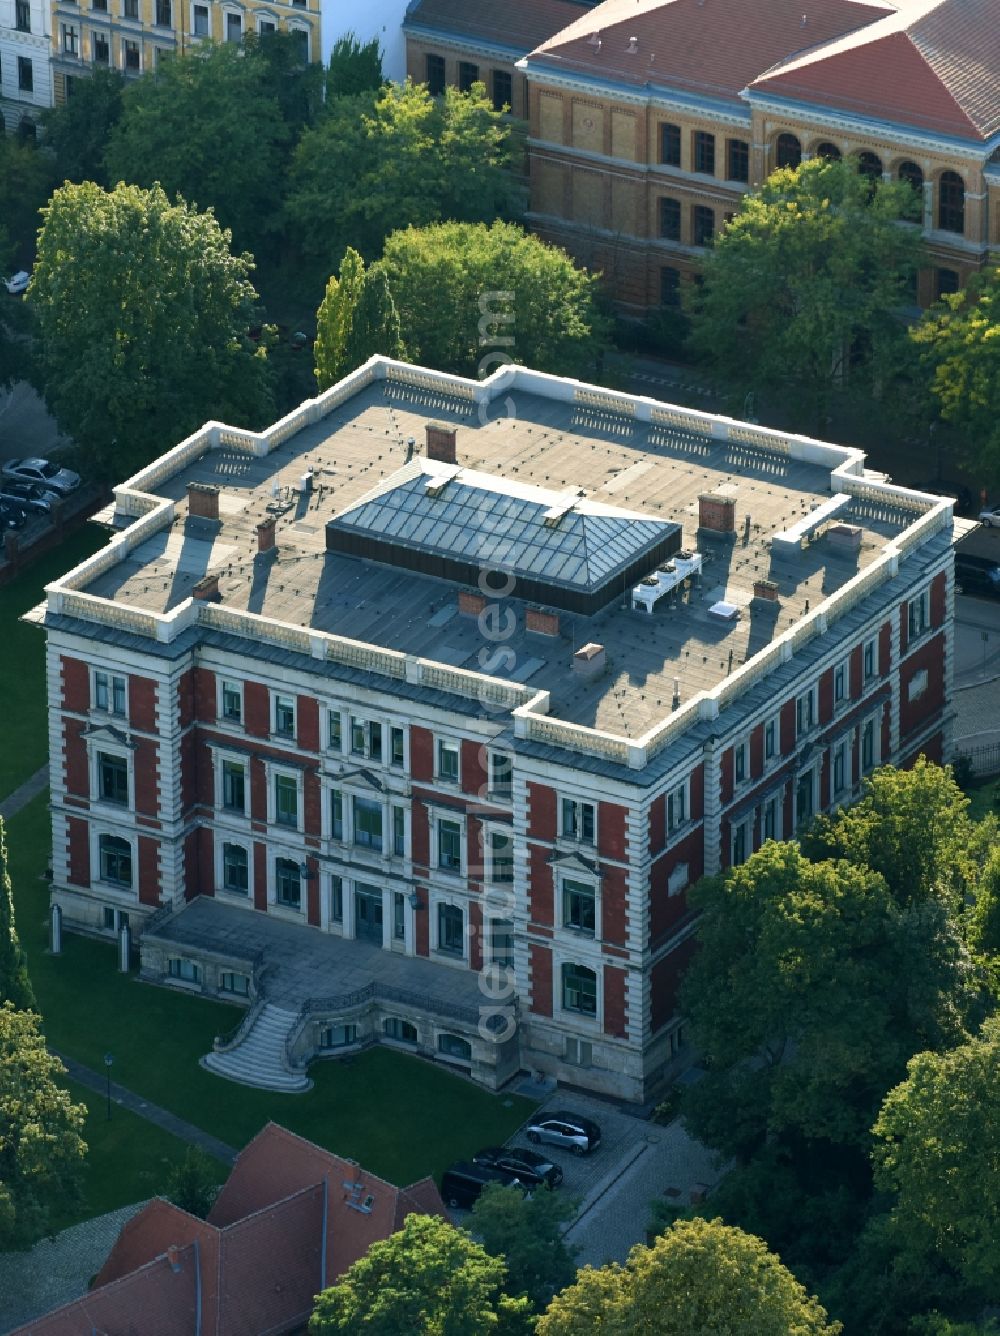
x: 520, y: 24
x: 709, y: 47
x: 935, y: 65
x: 257, y: 1262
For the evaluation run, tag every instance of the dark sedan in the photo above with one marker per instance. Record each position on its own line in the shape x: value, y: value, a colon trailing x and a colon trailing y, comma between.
x: 529, y: 1166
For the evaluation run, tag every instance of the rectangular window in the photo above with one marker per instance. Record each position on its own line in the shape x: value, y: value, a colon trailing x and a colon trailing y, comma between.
x: 397, y: 747
x: 869, y: 659
x: 670, y: 145
x: 501, y: 776
x: 25, y: 74
x: 231, y: 982
x: 502, y: 942
x: 101, y: 49
x: 670, y: 219
x: 738, y: 160
x: 201, y: 20
x: 184, y: 969
x: 579, y: 906
x: 769, y: 822
x: 234, y: 787
x: 704, y: 152
x: 839, y: 768
x: 398, y: 832
x: 670, y: 286
x: 579, y: 1052
x: 501, y: 857
x: 22, y: 15
x: 919, y: 620
x: 234, y: 28
x: 840, y: 683
x: 366, y: 739
x: 130, y: 52
x: 770, y: 739
x: 110, y: 693
x: 116, y: 860
x: 740, y: 762
x: 286, y: 800
x: 164, y: 17
x: 468, y: 74
x: 337, y: 899
x: 130, y: 9
x: 450, y: 846
x: 336, y: 814
x: 578, y: 821
x: 702, y: 225
x: 579, y: 989
x: 868, y: 746
x: 741, y: 843
x: 447, y: 761
x: 398, y: 916
x: 805, y: 712
x: 435, y: 75
x: 284, y: 716
x: 676, y: 808
x: 235, y: 869
x: 503, y: 91
x: 232, y: 702
x: 287, y: 883
x: 69, y: 39
x: 335, y: 735
x: 451, y: 934
x: 112, y: 772
x: 368, y: 824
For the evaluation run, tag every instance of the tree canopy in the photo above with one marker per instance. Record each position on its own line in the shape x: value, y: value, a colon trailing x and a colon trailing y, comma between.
x: 15, y: 985
x: 80, y: 129
x: 959, y: 340
x: 801, y: 290
x: 937, y: 1147
x: 143, y: 317
x: 429, y: 1277
x: 527, y: 1233
x: 355, y: 67
x: 356, y: 319
x: 41, y: 1149
x: 26, y: 180
x: 387, y: 159
x: 471, y: 297
x: 699, y: 1276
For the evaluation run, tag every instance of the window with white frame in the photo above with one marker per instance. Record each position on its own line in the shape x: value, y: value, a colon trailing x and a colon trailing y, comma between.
x: 917, y: 685
x: 805, y: 797
x: 266, y: 26
x: 841, y: 758
x: 112, y: 778
x: 115, y: 860
x: 501, y: 775
x: 677, y: 808
x: 450, y: 930
x: 235, y: 869
x: 449, y: 845
x: 742, y: 842
x: 231, y: 981
x: 187, y: 970
x: 397, y: 746
x: 841, y: 684
x: 231, y: 702
x: 403, y: 1032
x: 579, y: 906
x: 234, y: 786
x: 579, y: 1052
x: 234, y: 27
x: 199, y: 20
x: 679, y: 879
x: 287, y: 883
x: 578, y: 820
x: 455, y: 1047
x: 335, y: 731
x: 284, y: 716
x: 366, y: 738
x: 770, y: 819
x: 579, y: 989
x: 869, y: 744
x: 771, y: 739
x: 110, y: 693
x: 337, y: 899
x: 399, y: 832
x: 368, y: 823
x: 869, y: 659
x: 398, y: 916
x: 919, y: 615
x: 741, y: 762
x: 336, y: 814
x: 501, y: 851
x: 805, y: 712
x: 286, y: 800
x: 501, y: 942
x: 447, y: 761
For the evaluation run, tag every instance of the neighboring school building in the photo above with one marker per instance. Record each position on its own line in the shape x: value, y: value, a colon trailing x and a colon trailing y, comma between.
x: 650, y: 119
x: 437, y: 674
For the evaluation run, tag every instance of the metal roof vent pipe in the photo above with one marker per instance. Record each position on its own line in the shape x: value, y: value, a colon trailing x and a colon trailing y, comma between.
x: 676, y: 702
x: 441, y: 443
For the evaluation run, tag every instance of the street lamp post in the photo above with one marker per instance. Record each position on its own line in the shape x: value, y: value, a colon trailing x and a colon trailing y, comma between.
x: 108, y: 1060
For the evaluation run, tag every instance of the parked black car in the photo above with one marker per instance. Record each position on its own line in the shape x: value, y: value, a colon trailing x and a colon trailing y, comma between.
x: 977, y: 576
x: 28, y: 495
x: 568, y: 1130
x: 462, y: 1183
x: 530, y: 1167
x: 12, y: 516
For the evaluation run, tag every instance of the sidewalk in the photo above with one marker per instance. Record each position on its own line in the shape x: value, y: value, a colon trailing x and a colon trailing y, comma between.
x: 24, y: 793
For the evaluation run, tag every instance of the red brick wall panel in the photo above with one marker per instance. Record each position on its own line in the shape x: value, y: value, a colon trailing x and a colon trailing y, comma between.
x: 541, y: 979
x: 78, y: 849
x: 256, y: 709
x: 615, y: 1007
x: 475, y: 935
x: 189, y: 770
x: 614, y: 902
x: 914, y: 714
x: 826, y: 696
x: 856, y: 671
x: 75, y: 684
x: 142, y: 703
x: 698, y: 793
x: 421, y: 754
x: 204, y: 775
x: 260, y: 876
x: 937, y: 600
x: 757, y: 752
x: 540, y: 889
x: 787, y: 727
x: 422, y: 924
x: 206, y: 860
x: 727, y: 767
x: 657, y: 824
x: 75, y: 756
x: 147, y: 777
x: 541, y: 812
x: 312, y: 803
x: 904, y: 626
x: 258, y: 789
x: 149, y: 870
x: 885, y: 647
x: 420, y: 835
x: 664, y: 982
x: 307, y: 722
x: 473, y: 767
x: 666, y: 910
x: 612, y: 831
x: 204, y: 695
x: 185, y: 698
x: 312, y: 892
x: 475, y: 852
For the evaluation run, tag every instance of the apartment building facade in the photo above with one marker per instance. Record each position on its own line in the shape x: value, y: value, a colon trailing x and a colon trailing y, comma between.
x: 649, y: 123
x: 25, y: 74
x: 408, y: 702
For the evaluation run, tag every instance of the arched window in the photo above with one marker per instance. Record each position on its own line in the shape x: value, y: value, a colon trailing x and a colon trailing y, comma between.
x: 945, y: 282
x: 829, y: 151
x: 870, y: 165
x: 951, y: 202
x: 787, y: 151
x: 116, y: 860
x: 454, y: 1046
x: 579, y: 989
x: 912, y: 175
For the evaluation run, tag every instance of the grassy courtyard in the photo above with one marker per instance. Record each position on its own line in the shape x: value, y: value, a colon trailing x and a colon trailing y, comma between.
x: 401, y: 1117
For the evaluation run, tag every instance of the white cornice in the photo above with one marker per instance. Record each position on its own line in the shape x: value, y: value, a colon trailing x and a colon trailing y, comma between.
x: 646, y: 96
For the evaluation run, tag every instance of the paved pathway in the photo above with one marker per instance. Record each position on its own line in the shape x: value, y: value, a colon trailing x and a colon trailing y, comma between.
x: 23, y: 795
x: 97, y: 1081
x: 56, y: 1271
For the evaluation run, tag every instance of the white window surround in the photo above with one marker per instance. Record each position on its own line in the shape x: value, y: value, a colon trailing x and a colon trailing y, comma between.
x: 917, y: 685
x: 841, y: 685
x: 807, y: 711
x: 284, y: 696
x: 348, y: 793
x: 499, y: 795
x: 272, y: 770
x: 489, y: 829
x: 813, y: 772
x: 592, y: 884
x: 230, y: 814
x: 918, y: 616
x: 221, y: 683
x: 577, y: 836
x: 778, y: 799
x: 296, y: 25
x: 437, y: 814
x: 677, y: 808
x: 96, y: 746
x: 237, y: 897
x: 869, y: 659
x: 111, y: 675
x: 679, y: 879
x: 772, y: 735
x: 451, y: 745
x: 437, y: 901
x: 741, y: 831
x: 569, y: 956
x: 297, y: 856
x: 741, y: 751
x: 121, y: 894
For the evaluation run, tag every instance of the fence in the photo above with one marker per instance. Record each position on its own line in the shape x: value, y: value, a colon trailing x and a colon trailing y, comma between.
x: 984, y: 760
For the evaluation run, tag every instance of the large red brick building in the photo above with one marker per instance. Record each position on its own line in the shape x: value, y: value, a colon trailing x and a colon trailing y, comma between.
x: 649, y: 121
x: 415, y: 716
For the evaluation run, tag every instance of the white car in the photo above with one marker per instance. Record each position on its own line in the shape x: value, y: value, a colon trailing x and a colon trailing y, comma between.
x: 990, y: 516
x: 17, y: 283
x: 43, y: 474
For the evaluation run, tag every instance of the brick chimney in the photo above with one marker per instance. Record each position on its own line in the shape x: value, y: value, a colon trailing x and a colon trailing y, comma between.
x: 471, y: 604
x: 541, y: 622
x: 207, y: 589
x: 441, y: 443
x: 203, y: 500
x: 766, y: 589
x: 717, y: 513
x: 265, y: 535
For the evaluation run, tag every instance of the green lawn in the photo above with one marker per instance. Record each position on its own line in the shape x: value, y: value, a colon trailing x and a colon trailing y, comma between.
x: 984, y: 798
x: 401, y: 1117
x: 22, y: 662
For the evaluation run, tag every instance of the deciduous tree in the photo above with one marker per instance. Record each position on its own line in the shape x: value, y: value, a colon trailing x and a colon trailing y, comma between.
x: 143, y: 317
x: 527, y: 1233
x: 26, y: 180
x: 193, y: 1184
x: 355, y: 67
x: 335, y: 317
x: 700, y: 1276
x: 41, y: 1150
x: 79, y: 130
x: 471, y: 297
x: 374, y: 322
x: 15, y: 985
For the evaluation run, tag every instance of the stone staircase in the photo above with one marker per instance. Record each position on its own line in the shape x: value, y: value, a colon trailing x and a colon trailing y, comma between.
x: 258, y: 1058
